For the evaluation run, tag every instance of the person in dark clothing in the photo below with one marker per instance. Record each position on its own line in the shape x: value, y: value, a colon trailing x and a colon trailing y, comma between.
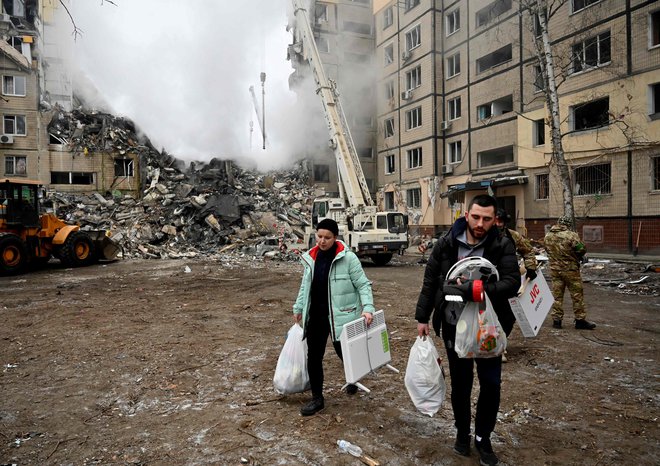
x: 334, y: 291
x: 473, y: 235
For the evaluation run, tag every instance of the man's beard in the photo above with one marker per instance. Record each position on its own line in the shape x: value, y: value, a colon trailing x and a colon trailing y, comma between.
x: 476, y: 235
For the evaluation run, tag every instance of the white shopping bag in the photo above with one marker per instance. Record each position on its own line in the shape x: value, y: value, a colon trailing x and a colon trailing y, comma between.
x: 424, y: 378
x: 479, y: 333
x: 291, y: 372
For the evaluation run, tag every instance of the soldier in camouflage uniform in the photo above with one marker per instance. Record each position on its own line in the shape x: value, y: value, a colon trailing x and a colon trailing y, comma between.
x: 565, y: 251
x: 523, y: 246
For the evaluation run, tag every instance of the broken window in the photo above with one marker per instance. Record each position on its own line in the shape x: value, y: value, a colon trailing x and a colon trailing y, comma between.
x: 539, y: 82
x: 414, y: 78
x: 655, y: 173
x: 414, y: 198
x: 322, y: 173
x: 322, y: 44
x: 410, y: 4
x: 542, y: 186
x: 495, y: 58
x: 414, y: 157
x: 593, y: 179
x: 14, y: 124
x: 454, y: 152
x: 365, y: 152
x: 453, y: 21
x: 72, y: 178
x: 594, y: 114
x: 389, y: 164
x: 453, y: 65
x: 497, y: 156
x: 582, y: 4
x: 654, y: 91
x: 361, y: 58
x: 388, y: 127
x: 414, y: 118
x: 454, y: 108
x: 14, y: 85
x: 492, y: 11
x: 388, y: 198
x: 654, y: 29
x: 413, y: 38
x: 538, y: 133
x: 495, y: 108
x: 15, y: 165
x: 388, y: 17
x: 358, y: 28
x: 389, y: 54
x: 14, y: 7
x: 592, y: 52
x: 389, y: 90
x: 124, y: 167
x: 321, y: 13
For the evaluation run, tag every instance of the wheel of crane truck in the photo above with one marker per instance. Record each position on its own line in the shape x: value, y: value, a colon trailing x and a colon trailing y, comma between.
x: 381, y: 259
x: 13, y: 255
x: 78, y: 250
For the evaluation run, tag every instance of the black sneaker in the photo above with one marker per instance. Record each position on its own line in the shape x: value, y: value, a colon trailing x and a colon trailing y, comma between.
x: 312, y: 407
x: 351, y: 389
x: 582, y: 324
x: 462, y: 445
x: 556, y: 323
x: 487, y: 456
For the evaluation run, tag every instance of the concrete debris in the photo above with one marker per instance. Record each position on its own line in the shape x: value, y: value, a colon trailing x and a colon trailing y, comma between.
x: 183, y: 211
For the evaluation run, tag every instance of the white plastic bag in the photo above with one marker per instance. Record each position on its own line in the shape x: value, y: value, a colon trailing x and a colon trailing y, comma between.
x: 291, y: 372
x: 479, y: 333
x: 424, y: 378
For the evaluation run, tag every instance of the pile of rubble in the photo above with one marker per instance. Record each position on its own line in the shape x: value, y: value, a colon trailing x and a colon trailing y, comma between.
x: 184, y: 211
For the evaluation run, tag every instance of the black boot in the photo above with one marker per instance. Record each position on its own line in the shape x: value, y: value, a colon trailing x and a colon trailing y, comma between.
x: 487, y: 456
x: 583, y: 324
x: 462, y: 444
x: 313, y: 406
x: 556, y: 323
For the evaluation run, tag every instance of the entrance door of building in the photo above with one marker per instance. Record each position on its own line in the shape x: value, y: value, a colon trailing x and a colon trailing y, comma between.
x: 508, y: 203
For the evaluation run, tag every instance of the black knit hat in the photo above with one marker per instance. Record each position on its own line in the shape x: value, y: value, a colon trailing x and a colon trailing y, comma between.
x: 328, y: 224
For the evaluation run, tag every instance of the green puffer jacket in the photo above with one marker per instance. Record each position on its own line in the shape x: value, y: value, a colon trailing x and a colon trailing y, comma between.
x: 349, y: 289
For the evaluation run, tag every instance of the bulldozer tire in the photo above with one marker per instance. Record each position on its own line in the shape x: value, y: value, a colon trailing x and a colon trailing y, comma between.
x: 78, y: 250
x: 13, y: 255
x: 381, y: 259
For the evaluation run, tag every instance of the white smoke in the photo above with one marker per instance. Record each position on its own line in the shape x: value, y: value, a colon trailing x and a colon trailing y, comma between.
x: 182, y: 70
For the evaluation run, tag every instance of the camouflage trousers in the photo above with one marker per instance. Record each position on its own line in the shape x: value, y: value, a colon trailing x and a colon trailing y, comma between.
x: 571, y: 279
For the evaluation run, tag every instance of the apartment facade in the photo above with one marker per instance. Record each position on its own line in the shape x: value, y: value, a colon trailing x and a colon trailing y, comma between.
x: 36, y: 91
x: 461, y: 111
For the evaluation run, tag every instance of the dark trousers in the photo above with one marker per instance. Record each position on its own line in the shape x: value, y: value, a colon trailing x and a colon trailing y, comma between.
x: 489, y: 372
x: 318, y: 330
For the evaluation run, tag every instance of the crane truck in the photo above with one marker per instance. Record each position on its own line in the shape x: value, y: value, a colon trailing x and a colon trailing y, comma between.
x: 368, y: 233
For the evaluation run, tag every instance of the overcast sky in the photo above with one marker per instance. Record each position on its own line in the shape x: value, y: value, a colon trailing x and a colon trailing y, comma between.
x: 182, y: 69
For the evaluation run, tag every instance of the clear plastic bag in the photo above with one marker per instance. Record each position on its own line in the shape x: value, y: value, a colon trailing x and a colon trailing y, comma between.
x: 425, y: 380
x: 478, y: 332
x: 291, y: 371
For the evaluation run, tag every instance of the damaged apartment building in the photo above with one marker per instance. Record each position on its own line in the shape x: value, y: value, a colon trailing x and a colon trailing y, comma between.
x: 42, y: 138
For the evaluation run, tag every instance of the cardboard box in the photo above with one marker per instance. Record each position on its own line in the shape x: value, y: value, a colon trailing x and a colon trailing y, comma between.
x: 532, y: 306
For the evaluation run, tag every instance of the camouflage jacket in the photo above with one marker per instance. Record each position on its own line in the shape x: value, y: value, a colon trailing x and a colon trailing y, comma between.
x: 524, y: 248
x: 562, y: 246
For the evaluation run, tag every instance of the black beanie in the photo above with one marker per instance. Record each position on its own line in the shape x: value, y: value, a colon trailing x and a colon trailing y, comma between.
x: 328, y: 224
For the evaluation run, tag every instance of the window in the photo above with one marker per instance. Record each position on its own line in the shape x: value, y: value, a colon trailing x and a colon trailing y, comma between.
x: 453, y: 65
x: 71, y: 178
x: 321, y: 13
x: 14, y: 124
x: 414, y: 157
x: 124, y: 167
x: 537, y: 22
x: 414, y: 78
x: 363, y: 121
x: 454, y: 154
x: 593, y: 179
x: 539, y: 82
x: 414, y: 198
x: 358, y: 28
x: 15, y: 165
x: 388, y: 127
x: 655, y: 173
x: 322, y: 173
x: 654, y: 28
x: 14, y: 7
x: 388, y: 17
x: 654, y: 91
x: 538, y: 132
x: 495, y: 58
x: 365, y: 152
x: 389, y: 200
x: 414, y: 118
x: 497, y: 156
x: 361, y: 58
x: 454, y: 108
x: 413, y: 38
x: 453, y: 21
x: 590, y: 115
x: 389, y: 90
x: 410, y: 4
x: 390, y: 165
x: 492, y: 11
x: 389, y: 54
x: 322, y: 44
x: 582, y: 4
x: 14, y: 85
x: 592, y: 52
x: 542, y: 186
x: 495, y: 108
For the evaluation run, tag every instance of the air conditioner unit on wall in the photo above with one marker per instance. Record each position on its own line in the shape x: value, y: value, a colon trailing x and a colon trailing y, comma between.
x: 405, y: 55
x: 7, y: 139
x: 445, y: 125
x: 406, y: 95
x: 447, y: 169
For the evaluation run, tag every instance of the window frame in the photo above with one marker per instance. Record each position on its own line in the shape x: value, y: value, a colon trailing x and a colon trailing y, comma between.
x: 654, y: 29
x: 501, y: 51
x: 454, y: 152
x: 388, y: 201
x: 581, y: 107
x: 485, y: 16
x: 542, y: 185
x: 413, y: 37
x: 388, y: 58
x: 583, y: 172
x: 414, y: 157
x: 654, y: 101
x: 454, y: 108
x: 414, y: 118
x: 388, y: 17
x: 16, y: 118
x: 13, y: 79
x: 538, y: 76
x: 538, y: 132
x: 414, y: 198
x: 587, y: 4
x: 453, y: 65
x: 453, y: 18
x: 390, y: 164
x: 128, y: 166
x: 582, y: 60
x: 410, y: 82
x: 388, y: 128
x: 655, y: 173
x: 322, y: 40
x: 410, y: 4
x: 322, y: 177
x: 15, y: 162
x: 389, y: 90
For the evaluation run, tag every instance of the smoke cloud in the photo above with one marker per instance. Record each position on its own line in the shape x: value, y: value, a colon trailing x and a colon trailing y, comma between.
x: 182, y: 70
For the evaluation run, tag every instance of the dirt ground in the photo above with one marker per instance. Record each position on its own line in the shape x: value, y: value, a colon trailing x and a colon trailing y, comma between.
x: 171, y: 362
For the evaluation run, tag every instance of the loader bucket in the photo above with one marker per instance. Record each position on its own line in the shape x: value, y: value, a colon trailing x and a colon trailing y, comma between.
x: 106, y: 248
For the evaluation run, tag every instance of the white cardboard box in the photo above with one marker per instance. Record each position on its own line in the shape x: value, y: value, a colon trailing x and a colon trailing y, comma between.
x: 532, y: 306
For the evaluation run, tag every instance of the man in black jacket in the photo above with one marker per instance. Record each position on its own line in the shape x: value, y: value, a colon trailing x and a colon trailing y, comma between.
x: 473, y: 235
